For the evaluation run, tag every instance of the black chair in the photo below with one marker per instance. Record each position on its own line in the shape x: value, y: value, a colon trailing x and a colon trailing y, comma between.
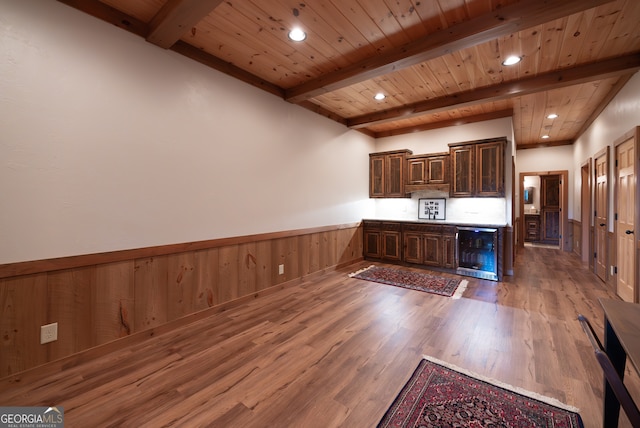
x: 611, y: 375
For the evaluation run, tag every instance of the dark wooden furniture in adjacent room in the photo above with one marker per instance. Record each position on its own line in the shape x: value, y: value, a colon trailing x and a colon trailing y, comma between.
x: 532, y: 227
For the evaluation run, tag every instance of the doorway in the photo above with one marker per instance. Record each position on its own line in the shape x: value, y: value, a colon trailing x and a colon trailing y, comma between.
x: 543, y: 202
x: 601, y: 214
x: 626, y: 216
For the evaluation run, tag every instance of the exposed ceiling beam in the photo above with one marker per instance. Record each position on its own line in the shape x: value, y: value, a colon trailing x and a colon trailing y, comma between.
x: 216, y: 63
x: 545, y: 82
x: 500, y: 22
x: 556, y: 143
x: 177, y: 17
x: 109, y: 14
x: 482, y: 117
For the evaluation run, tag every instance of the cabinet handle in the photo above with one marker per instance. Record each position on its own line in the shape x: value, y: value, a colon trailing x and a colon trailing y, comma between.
x: 628, y: 232
x: 602, y: 224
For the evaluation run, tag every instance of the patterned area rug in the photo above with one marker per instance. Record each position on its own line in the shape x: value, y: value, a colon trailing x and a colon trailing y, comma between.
x: 450, y: 287
x: 440, y: 395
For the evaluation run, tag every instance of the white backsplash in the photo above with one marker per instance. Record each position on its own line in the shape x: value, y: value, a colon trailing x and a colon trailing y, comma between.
x: 458, y: 210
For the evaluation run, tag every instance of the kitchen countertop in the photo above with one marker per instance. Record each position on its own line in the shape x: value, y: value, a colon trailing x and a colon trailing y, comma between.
x: 441, y: 222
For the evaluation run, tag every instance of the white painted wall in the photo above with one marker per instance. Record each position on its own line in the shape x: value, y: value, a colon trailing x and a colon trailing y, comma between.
x: 109, y: 143
x: 621, y: 115
x: 495, y: 211
x: 543, y: 160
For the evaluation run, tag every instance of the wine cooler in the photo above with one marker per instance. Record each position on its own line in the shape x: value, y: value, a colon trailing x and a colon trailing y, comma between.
x: 477, y: 252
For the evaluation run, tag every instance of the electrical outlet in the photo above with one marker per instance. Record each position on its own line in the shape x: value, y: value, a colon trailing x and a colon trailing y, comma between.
x: 48, y: 333
x: 280, y: 269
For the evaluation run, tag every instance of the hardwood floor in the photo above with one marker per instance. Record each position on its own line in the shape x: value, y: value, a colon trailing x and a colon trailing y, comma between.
x: 334, y: 351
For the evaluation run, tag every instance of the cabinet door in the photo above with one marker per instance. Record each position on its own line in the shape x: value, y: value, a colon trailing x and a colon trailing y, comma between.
x: 413, y: 247
x: 437, y: 169
x: 376, y: 176
x: 417, y: 171
x: 432, y: 249
x: 462, y: 160
x: 490, y: 166
x: 394, y: 180
x: 372, y: 246
x: 391, y: 245
x: 448, y: 251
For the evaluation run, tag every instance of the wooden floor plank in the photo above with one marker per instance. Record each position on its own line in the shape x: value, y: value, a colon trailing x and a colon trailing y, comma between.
x: 334, y: 351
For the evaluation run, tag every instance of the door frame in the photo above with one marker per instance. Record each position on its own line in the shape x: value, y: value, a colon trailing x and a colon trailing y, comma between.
x: 606, y: 153
x: 565, y: 243
x: 586, y: 202
x: 635, y: 134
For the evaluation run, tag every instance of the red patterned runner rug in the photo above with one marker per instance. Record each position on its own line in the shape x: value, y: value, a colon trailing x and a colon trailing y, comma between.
x: 450, y: 287
x: 440, y: 395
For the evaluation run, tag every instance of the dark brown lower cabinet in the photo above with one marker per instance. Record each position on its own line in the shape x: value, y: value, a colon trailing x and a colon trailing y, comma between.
x: 372, y: 247
x: 413, y: 247
x: 432, y: 249
x: 391, y: 245
x: 416, y: 243
x: 429, y: 245
x: 449, y: 249
x: 383, y: 240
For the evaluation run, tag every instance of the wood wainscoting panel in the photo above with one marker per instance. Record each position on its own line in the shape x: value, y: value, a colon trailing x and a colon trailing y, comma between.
x: 69, y: 298
x: 113, y: 301
x: 182, y: 285
x: 228, y: 273
x: 151, y: 285
x: 23, y: 309
x: 576, y: 238
x: 102, y: 298
x: 207, y: 266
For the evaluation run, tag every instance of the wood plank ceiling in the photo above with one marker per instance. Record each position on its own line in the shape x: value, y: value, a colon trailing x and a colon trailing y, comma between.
x: 437, y: 61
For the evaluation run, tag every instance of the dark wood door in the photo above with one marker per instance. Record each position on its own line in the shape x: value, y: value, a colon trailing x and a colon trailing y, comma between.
x: 394, y: 180
x: 413, y: 247
x: 437, y: 169
x: 490, y: 166
x: 448, y: 251
x: 550, y: 209
x: 391, y: 245
x: 432, y: 249
x: 416, y: 171
x: 372, y: 246
x: 462, y: 162
x: 376, y: 176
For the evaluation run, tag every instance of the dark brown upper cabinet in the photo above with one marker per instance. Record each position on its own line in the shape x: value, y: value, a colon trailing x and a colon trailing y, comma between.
x: 428, y: 171
x: 477, y: 168
x: 387, y: 174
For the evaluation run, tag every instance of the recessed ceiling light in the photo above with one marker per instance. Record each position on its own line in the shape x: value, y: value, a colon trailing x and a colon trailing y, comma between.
x: 544, y: 137
x: 552, y: 116
x: 512, y: 60
x: 297, y: 35
x: 379, y: 96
